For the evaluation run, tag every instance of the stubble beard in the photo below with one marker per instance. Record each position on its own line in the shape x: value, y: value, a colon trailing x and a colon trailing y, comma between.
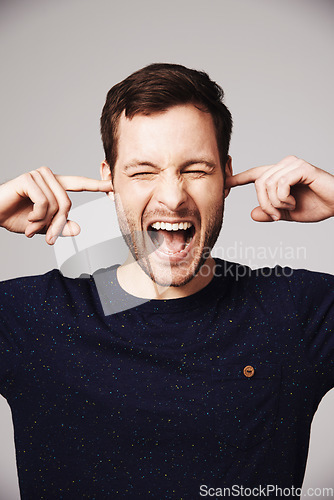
x: 175, y: 274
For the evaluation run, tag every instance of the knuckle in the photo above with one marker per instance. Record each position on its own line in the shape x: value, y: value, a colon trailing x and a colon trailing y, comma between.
x: 278, y: 204
x: 43, y: 206
x: 270, y: 182
x: 308, y: 167
x: 274, y: 201
x: 53, y: 207
x: 43, y: 201
x: 67, y: 205
x: 26, y: 177
x: 282, y: 180
x: 33, y: 173
x: 44, y: 170
x: 291, y: 158
x: 266, y: 206
x: 282, y: 196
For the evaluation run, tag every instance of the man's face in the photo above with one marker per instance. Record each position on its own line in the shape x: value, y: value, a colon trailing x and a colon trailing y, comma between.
x: 169, y: 191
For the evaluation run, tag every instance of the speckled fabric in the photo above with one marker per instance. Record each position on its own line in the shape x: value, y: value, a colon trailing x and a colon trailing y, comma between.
x: 154, y: 401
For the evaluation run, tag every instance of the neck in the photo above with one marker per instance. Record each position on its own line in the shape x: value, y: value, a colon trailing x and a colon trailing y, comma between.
x: 135, y: 281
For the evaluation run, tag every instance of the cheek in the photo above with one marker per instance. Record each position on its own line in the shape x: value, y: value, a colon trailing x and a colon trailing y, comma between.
x: 132, y: 202
x: 211, y: 203
x: 139, y: 192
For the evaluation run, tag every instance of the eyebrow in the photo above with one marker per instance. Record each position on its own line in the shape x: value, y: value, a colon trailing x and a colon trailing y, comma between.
x: 193, y: 161
x: 199, y: 161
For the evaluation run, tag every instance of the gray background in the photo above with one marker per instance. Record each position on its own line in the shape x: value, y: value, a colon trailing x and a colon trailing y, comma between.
x: 273, y: 58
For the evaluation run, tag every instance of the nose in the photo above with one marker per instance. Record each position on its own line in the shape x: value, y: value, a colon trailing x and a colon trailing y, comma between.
x: 171, y: 193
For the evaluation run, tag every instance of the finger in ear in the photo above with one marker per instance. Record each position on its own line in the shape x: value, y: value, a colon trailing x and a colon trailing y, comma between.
x: 228, y: 173
x: 105, y: 173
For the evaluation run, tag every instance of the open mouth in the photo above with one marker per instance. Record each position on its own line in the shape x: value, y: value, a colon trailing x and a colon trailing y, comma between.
x: 171, y: 238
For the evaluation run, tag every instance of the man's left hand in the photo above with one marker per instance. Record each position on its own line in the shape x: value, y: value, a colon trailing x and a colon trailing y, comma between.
x: 291, y: 190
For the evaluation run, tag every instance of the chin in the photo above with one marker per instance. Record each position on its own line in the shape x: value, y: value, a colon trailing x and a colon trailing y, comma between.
x: 169, y: 268
x: 171, y: 275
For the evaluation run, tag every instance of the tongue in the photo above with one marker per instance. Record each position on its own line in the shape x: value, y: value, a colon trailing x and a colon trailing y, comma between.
x: 171, y: 241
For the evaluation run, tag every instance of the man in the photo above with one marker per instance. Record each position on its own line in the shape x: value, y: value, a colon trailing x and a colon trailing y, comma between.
x: 208, y: 374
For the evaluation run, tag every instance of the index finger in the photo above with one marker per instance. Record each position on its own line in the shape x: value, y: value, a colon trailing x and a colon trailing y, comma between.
x: 78, y: 183
x: 246, y: 177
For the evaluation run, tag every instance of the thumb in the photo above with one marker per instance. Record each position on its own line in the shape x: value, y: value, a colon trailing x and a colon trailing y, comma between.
x: 71, y: 228
x: 259, y: 215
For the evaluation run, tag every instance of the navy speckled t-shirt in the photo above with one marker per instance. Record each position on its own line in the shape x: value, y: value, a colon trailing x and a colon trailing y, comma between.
x: 161, y: 397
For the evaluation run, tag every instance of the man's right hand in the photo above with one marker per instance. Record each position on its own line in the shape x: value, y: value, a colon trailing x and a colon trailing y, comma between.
x: 37, y: 202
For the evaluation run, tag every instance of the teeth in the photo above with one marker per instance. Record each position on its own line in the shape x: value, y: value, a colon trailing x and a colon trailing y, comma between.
x: 171, y: 227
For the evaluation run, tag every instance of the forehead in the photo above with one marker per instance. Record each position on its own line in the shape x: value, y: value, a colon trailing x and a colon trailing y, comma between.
x: 180, y: 130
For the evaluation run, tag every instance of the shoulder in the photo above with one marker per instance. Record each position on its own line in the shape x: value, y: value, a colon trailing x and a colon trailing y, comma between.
x: 37, y: 289
x: 274, y: 281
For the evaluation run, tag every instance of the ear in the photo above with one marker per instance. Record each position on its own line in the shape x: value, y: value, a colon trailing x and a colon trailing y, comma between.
x: 105, y: 174
x: 228, y: 173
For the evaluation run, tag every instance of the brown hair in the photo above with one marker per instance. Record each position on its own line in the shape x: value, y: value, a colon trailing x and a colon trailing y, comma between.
x: 156, y: 88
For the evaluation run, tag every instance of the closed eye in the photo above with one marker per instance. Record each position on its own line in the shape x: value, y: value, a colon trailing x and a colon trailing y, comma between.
x: 196, y: 173
x: 143, y: 175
